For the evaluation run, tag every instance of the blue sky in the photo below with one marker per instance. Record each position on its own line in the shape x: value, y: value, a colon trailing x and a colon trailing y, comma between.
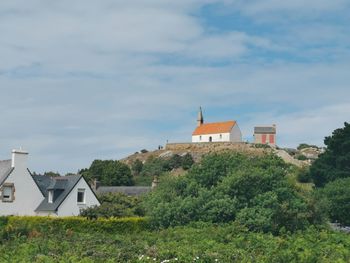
x: 82, y: 80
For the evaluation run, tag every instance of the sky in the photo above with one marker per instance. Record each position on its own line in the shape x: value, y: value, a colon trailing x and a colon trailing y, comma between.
x: 83, y: 80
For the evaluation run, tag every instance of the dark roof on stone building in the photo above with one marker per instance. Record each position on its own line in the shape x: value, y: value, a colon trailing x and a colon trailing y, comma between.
x: 61, y: 186
x: 5, y: 170
x: 265, y: 130
x: 127, y: 190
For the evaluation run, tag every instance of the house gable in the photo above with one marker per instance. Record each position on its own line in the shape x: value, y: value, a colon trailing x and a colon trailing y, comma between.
x: 26, y: 194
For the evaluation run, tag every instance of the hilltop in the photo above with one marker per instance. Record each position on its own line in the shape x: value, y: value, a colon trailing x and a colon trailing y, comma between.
x: 198, y: 150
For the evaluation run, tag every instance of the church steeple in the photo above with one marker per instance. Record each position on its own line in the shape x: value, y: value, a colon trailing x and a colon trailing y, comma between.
x: 200, y: 119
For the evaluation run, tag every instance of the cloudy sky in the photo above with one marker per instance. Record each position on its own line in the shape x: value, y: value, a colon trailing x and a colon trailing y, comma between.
x: 84, y: 79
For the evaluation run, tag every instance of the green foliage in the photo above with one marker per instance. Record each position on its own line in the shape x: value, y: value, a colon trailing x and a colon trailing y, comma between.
x: 187, y: 161
x: 18, y: 226
x: 305, y: 145
x: 334, y: 163
x: 136, y: 167
x: 229, y: 186
x: 109, y: 173
x: 196, y: 243
x: 115, y: 205
x: 301, y: 157
x: 304, y: 175
x: 337, y: 194
x: 157, y: 166
x: 261, y: 146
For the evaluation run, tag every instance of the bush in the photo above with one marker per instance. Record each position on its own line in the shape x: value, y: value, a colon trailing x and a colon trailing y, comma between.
x: 301, y: 157
x: 337, y: 193
x: 24, y: 225
x: 304, y: 176
x: 334, y: 163
x: 229, y: 186
x: 115, y: 205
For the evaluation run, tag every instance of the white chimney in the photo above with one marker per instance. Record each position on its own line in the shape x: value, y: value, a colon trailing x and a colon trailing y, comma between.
x: 19, y: 158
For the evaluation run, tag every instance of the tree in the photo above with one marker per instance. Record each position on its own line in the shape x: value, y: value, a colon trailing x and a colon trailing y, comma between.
x: 136, y: 167
x: 334, y: 163
x: 109, y: 173
x: 337, y: 193
x: 187, y: 161
x: 230, y: 186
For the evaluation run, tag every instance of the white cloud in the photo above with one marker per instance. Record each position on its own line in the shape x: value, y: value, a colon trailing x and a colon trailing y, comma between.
x: 87, y: 79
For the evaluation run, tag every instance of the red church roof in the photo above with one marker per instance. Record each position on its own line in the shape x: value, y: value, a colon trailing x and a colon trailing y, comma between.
x: 215, y: 127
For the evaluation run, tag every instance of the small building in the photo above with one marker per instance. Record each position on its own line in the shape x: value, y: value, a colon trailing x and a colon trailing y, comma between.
x: 227, y: 131
x: 24, y: 194
x: 265, y: 135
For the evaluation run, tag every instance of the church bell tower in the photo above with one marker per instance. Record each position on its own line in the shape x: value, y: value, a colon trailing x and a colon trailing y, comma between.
x: 200, y: 119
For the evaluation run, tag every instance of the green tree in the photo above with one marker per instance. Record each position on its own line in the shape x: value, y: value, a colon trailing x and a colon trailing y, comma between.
x: 230, y: 186
x: 136, y: 167
x: 187, y: 161
x: 334, y: 163
x: 109, y: 173
x: 337, y: 194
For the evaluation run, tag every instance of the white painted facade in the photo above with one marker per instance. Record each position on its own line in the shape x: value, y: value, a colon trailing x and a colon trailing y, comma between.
x: 27, y: 195
x: 70, y: 206
x: 234, y: 136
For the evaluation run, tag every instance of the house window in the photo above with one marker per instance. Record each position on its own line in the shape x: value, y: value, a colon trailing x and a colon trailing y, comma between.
x: 8, y: 193
x: 81, y: 196
x: 50, y: 196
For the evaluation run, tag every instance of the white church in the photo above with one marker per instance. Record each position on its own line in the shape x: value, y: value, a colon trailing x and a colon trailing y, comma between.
x: 227, y: 131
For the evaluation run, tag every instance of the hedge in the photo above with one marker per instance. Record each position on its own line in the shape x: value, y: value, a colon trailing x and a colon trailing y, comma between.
x: 26, y: 224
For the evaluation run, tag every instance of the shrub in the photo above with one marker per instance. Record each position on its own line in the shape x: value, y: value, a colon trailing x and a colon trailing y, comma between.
x: 337, y: 193
x: 334, y: 163
x: 115, y: 205
x: 229, y: 186
x: 24, y: 225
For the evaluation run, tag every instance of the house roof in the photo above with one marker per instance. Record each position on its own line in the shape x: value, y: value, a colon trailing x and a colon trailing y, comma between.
x: 265, y: 130
x: 5, y: 170
x: 127, y: 190
x: 214, y: 128
x: 61, y: 186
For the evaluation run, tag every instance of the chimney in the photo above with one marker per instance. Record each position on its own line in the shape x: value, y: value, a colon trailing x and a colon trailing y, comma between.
x: 94, y: 184
x: 19, y: 159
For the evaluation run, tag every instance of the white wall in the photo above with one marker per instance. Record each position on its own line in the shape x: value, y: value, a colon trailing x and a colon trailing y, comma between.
x: 27, y: 194
x: 70, y: 206
x: 236, y: 134
x: 215, y: 137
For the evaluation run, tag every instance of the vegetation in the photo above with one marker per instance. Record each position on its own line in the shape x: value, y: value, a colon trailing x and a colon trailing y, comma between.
x: 334, y: 163
x: 52, y: 240
x: 109, y: 173
x: 115, y: 205
x: 157, y: 166
x: 337, y: 195
x: 305, y: 145
x: 228, y: 208
x: 231, y: 186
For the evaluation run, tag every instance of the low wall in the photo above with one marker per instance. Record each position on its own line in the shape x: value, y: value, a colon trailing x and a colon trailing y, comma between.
x: 206, y: 147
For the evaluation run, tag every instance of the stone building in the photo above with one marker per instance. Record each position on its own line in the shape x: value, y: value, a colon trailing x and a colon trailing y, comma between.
x: 265, y: 135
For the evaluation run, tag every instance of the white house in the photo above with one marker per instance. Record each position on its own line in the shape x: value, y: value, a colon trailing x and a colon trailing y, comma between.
x: 227, y: 131
x: 22, y: 193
